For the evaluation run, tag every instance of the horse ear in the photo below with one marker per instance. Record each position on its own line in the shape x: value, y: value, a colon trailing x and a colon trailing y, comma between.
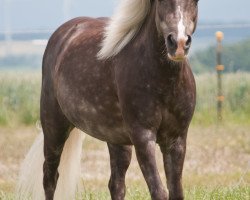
x: 196, y: 1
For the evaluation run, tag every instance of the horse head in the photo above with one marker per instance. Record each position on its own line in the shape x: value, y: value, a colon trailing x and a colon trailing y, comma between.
x: 176, y: 22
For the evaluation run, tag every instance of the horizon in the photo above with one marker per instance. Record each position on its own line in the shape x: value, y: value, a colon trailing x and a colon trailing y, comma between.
x: 29, y: 15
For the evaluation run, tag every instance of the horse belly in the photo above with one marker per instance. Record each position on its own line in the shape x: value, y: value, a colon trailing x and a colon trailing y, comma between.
x: 94, y: 114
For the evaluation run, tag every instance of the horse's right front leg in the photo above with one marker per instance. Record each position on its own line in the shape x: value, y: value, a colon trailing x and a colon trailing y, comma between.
x: 145, y: 141
x: 120, y: 157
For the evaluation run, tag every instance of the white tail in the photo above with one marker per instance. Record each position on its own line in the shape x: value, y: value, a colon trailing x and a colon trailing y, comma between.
x: 31, y: 174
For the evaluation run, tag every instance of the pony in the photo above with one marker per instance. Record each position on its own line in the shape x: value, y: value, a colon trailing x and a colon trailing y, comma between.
x: 124, y: 80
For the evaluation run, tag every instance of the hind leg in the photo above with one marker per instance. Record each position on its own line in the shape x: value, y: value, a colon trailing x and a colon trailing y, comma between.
x: 56, y: 130
x: 120, y: 157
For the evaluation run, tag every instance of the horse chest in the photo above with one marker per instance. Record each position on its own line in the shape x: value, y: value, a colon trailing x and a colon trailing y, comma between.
x: 178, y: 108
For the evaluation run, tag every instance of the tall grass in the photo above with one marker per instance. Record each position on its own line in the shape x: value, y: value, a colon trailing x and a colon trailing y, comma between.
x: 19, y: 97
x: 20, y: 93
x: 236, y: 106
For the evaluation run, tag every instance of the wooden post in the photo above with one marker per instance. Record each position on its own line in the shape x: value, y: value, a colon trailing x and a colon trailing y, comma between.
x: 220, y: 69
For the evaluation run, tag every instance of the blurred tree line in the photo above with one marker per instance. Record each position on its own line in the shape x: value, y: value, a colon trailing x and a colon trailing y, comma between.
x: 235, y: 57
x: 22, y: 61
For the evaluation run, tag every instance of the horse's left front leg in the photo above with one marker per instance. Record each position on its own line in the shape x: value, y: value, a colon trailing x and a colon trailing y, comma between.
x: 173, y: 157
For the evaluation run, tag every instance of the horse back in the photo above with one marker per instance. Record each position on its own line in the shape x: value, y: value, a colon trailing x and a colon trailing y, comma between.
x: 58, y: 43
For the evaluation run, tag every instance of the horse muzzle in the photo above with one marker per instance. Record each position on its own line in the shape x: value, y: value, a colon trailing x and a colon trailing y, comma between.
x: 178, y: 47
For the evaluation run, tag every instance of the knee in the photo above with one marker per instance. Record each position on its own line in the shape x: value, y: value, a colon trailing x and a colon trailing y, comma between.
x: 116, y: 183
x: 117, y: 189
x: 159, y: 194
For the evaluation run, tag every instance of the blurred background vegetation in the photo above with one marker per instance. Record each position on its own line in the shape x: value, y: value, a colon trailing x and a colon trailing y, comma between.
x: 235, y: 58
x: 20, y: 93
x: 20, y: 80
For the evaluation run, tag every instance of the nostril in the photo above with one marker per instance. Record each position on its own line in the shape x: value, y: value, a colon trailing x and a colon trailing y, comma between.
x: 171, y: 41
x: 188, y: 42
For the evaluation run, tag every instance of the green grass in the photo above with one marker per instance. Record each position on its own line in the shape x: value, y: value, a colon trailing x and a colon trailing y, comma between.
x: 197, y: 193
x: 236, y: 107
x: 20, y: 93
x: 236, y: 193
x: 19, y: 97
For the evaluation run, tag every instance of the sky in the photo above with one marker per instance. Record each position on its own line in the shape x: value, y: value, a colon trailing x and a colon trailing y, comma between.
x: 49, y: 14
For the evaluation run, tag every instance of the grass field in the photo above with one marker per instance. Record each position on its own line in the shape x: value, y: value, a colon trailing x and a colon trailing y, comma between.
x: 20, y: 93
x: 217, y: 165
x: 236, y: 106
x: 19, y: 97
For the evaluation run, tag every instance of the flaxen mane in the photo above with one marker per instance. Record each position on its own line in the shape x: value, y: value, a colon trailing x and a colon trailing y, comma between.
x: 123, y: 26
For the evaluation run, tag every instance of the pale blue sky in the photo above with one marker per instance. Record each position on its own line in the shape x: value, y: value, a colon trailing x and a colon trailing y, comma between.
x: 48, y: 14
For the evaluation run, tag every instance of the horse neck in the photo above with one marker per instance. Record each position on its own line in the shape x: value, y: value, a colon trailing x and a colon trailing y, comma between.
x: 148, y: 33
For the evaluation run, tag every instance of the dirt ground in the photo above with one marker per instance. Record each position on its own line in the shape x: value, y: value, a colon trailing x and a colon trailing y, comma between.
x: 217, y: 156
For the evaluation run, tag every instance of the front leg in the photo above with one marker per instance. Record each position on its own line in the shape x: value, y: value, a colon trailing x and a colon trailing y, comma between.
x: 144, y: 141
x: 173, y: 157
x: 120, y: 157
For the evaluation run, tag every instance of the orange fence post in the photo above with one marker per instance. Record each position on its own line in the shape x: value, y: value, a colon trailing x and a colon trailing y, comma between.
x: 219, y: 69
